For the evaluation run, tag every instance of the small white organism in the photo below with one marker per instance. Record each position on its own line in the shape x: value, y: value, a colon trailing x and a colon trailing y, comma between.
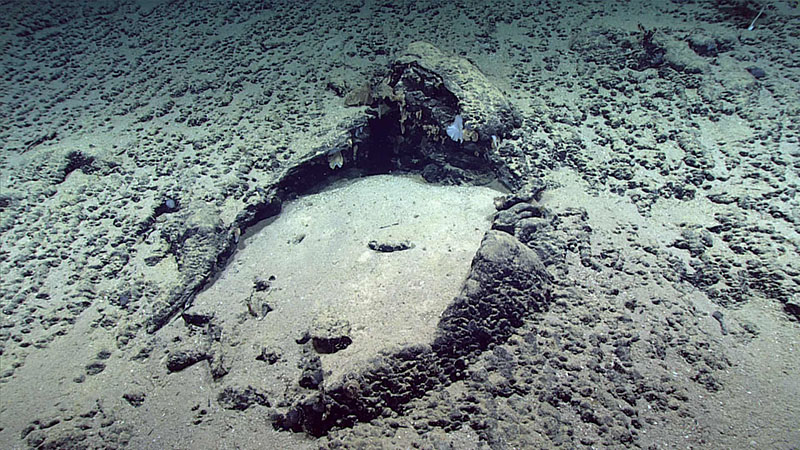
x: 335, y: 160
x: 456, y: 129
x: 495, y: 142
x: 753, y: 23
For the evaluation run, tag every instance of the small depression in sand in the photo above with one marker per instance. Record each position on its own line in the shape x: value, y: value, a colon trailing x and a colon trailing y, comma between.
x: 311, y: 269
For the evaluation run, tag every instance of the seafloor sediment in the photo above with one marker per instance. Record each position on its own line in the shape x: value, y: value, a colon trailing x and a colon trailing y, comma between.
x: 636, y: 282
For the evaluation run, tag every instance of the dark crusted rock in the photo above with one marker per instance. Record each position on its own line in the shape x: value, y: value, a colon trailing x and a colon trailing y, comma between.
x: 423, y: 93
x: 695, y: 242
x: 257, y: 304
x: 65, y: 440
x: 135, y: 398
x: 218, y: 366
x: 506, y: 283
x: 757, y: 72
x: 311, y: 376
x: 703, y: 45
x: 330, y: 333
x: 508, y: 217
x: 201, y: 246
x: 262, y: 285
x: 390, y: 246
x: 241, y: 399
x: 196, y: 318
x: 481, y: 103
x: 719, y: 318
x: 531, y: 224
x: 184, y: 358
x: 268, y: 355
x: 95, y: 367
x: 792, y: 307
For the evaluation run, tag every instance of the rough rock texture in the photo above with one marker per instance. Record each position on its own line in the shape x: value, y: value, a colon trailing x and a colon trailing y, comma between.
x: 506, y: 283
x: 482, y: 105
x: 651, y: 151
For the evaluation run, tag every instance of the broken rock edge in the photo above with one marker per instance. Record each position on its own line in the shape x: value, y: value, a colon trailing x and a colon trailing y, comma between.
x: 393, y: 379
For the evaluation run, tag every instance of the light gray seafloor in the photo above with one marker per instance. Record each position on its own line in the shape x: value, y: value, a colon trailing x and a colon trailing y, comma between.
x: 319, y: 267
x: 675, y: 189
